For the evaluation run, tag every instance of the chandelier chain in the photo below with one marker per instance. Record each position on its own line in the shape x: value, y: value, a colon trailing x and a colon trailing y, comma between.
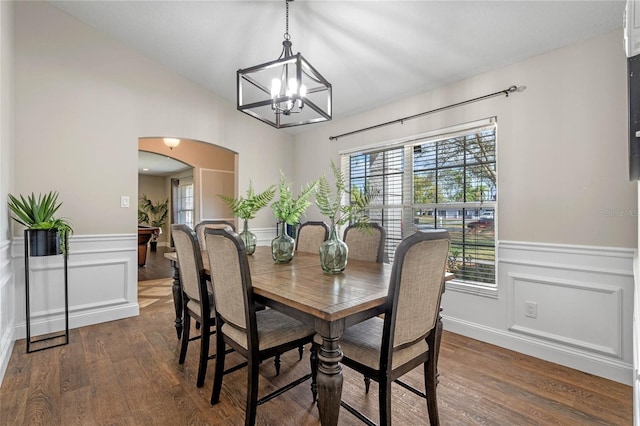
x: 286, y: 32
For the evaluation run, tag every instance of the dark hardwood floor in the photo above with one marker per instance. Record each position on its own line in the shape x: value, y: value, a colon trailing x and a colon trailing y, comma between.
x: 126, y: 372
x: 156, y: 265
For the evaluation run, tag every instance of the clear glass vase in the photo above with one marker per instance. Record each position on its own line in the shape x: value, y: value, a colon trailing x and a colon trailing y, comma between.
x: 282, y: 246
x: 333, y: 253
x: 249, y: 238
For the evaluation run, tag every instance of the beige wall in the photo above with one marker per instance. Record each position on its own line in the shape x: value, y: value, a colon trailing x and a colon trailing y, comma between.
x: 6, y: 111
x: 82, y: 102
x: 562, y: 143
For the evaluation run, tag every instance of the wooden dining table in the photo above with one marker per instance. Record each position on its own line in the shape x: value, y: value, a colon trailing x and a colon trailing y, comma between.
x: 330, y: 303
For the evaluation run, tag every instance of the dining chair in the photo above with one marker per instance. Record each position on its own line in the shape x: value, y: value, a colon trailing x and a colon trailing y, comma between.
x: 197, y: 297
x: 310, y: 235
x: 367, y: 246
x: 386, y: 349
x: 201, y: 226
x: 255, y: 335
x: 364, y: 245
x: 223, y: 224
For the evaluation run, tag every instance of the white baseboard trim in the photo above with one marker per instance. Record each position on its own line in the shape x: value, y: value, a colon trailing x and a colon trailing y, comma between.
x: 77, y: 318
x: 589, y: 362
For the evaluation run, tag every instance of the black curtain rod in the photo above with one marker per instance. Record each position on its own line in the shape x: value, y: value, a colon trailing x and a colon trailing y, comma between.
x: 505, y: 92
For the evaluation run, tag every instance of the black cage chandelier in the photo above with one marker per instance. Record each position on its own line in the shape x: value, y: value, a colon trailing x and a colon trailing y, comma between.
x: 286, y: 92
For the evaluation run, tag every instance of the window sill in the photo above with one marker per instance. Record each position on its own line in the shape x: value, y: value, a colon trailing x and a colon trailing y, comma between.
x: 476, y: 290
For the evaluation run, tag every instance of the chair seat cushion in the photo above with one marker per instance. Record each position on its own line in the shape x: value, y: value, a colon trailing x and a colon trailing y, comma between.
x: 274, y: 329
x: 361, y: 343
x: 194, y: 306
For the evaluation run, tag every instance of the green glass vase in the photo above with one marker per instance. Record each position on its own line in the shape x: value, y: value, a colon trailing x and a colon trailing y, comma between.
x: 333, y: 253
x: 282, y: 246
x: 248, y: 237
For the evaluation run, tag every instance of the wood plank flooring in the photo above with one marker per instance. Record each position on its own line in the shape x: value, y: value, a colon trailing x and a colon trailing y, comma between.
x: 156, y: 265
x: 126, y: 372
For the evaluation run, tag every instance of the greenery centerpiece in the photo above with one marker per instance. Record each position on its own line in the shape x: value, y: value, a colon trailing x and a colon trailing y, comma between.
x: 246, y: 208
x: 288, y: 210
x: 48, y: 235
x: 153, y: 214
x: 334, y: 252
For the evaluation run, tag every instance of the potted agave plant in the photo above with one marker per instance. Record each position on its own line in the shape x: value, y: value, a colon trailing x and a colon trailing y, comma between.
x: 245, y: 208
x: 334, y: 251
x: 47, y: 234
x: 287, y: 210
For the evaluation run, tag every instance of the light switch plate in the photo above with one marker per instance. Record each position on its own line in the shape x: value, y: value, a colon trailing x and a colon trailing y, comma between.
x: 124, y: 201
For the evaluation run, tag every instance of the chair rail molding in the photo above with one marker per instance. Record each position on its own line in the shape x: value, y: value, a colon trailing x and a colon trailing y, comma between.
x: 568, y: 304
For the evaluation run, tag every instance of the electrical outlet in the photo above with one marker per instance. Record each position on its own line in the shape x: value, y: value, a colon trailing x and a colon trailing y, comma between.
x: 531, y: 309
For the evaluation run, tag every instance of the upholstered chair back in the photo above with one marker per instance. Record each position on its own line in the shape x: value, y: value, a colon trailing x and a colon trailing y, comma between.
x: 310, y: 236
x: 189, y: 261
x: 227, y: 270
x: 216, y: 224
x: 363, y: 245
x: 417, y: 284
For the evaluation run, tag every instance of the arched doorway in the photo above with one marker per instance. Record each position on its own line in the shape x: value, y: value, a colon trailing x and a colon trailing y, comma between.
x: 207, y: 169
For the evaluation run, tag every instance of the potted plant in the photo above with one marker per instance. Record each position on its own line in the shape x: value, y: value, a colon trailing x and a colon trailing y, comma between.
x: 48, y: 235
x: 287, y: 210
x: 153, y: 214
x: 246, y: 208
x: 334, y: 252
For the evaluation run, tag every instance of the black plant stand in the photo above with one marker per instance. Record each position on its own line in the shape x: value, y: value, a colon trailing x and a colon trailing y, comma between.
x: 48, y: 337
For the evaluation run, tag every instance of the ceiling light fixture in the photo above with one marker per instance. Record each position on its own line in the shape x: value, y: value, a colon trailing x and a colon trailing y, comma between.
x: 286, y: 92
x: 171, y: 142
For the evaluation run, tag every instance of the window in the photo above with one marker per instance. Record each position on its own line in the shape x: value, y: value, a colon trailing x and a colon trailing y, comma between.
x: 437, y: 182
x: 185, y: 204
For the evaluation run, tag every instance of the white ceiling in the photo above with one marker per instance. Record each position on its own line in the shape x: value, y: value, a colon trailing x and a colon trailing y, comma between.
x: 373, y: 52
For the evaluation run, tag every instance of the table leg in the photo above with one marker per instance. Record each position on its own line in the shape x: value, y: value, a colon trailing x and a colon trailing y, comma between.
x: 177, y: 299
x: 329, y: 381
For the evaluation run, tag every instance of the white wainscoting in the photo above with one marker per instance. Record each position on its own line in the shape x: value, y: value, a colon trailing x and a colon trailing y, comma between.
x: 103, y: 281
x: 7, y: 307
x: 584, y: 299
x: 264, y: 235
